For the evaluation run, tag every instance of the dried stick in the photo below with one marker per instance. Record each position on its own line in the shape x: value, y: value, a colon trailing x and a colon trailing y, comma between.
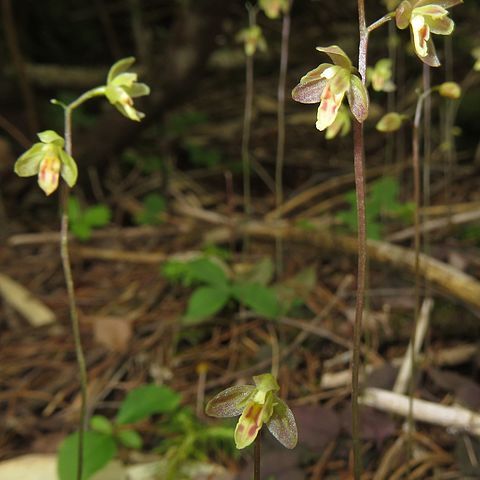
x: 423, y: 411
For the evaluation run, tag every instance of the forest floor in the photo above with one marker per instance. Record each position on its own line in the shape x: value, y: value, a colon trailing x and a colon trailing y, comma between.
x: 132, y: 315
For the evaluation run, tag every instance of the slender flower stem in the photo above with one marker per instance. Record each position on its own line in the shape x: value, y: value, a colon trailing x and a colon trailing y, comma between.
x: 67, y: 270
x: 417, y: 240
x: 386, y: 18
x: 359, y: 167
x: 257, y: 457
x: 282, y: 78
x: 247, y: 126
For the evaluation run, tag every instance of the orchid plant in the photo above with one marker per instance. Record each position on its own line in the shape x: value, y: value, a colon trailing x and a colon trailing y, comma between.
x: 328, y: 84
x: 51, y: 159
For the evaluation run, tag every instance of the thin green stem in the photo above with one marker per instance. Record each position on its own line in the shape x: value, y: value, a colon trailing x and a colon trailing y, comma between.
x: 359, y: 167
x: 67, y: 270
x: 282, y: 78
x: 257, y: 457
x: 417, y: 241
x: 247, y: 123
x: 94, y: 92
x: 386, y: 18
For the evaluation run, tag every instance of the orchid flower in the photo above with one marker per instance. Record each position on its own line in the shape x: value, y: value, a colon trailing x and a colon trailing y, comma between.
x: 122, y: 87
x: 49, y: 161
x: 328, y: 84
x: 426, y: 17
x: 256, y: 405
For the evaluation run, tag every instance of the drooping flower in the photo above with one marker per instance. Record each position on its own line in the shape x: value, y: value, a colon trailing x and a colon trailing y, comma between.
x: 451, y: 90
x: 328, y: 84
x: 390, y: 122
x: 49, y: 161
x: 476, y: 56
x: 252, y: 39
x: 122, y: 87
x: 381, y: 76
x: 274, y: 8
x: 426, y: 17
x: 256, y: 405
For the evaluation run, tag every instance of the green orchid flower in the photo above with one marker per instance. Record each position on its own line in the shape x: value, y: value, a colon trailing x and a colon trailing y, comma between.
x: 476, y: 56
x: 274, y: 8
x: 252, y: 39
x: 380, y: 76
x: 328, y: 84
x: 256, y: 405
x: 49, y: 161
x: 122, y: 87
x: 424, y: 18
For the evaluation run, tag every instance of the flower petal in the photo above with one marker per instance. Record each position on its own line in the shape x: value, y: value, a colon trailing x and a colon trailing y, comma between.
x: 138, y: 90
x: 49, y: 136
x: 328, y: 109
x: 403, y: 14
x: 27, y: 164
x: 282, y: 424
x: 124, y: 79
x: 229, y: 402
x: 358, y: 100
x: 69, y: 170
x: 338, y: 56
x: 440, y: 25
x: 430, y: 57
x: 119, y: 67
x: 421, y: 35
x: 49, y: 173
x: 440, y: 3
x: 310, y: 92
x: 249, y: 424
x: 316, y: 73
x: 266, y: 383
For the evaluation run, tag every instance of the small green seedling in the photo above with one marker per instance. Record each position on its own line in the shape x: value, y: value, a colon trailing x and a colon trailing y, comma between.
x: 214, y: 289
x: 102, y: 441
x: 154, y: 205
x: 84, y: 220
x: 257, y: 405
x: 382, y: 200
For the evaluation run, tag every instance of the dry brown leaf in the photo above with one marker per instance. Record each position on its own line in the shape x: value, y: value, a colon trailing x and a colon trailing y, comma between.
x: 113, y: 333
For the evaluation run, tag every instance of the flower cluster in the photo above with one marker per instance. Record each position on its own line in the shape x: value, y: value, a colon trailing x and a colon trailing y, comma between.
x: 328, y: 84
x: 256, y: 405
x: 424, y: 18
x: 274, y: 8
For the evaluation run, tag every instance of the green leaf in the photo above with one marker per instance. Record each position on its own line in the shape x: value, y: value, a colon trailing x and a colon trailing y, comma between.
x: 99, y: 449
x: 205, y: 302
x: 97, y: 216
x: 259, y: 298
x: 145, y: 401
x: 207, y: 271
x: 81, y: 230
x: 74, y: 210
x: 130, y: 439
x: 261, y: 272
x: 101, y: 424
x: 153, y: 205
